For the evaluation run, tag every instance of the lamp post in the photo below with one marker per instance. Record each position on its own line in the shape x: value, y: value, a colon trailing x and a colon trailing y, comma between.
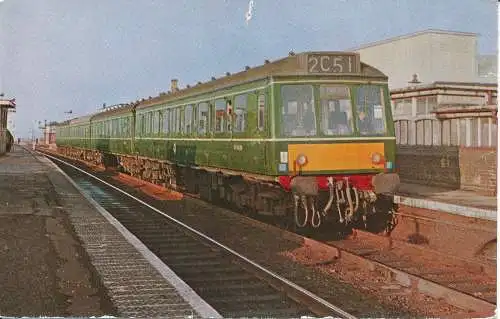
x: 33, y: 133
x: 43, y: 127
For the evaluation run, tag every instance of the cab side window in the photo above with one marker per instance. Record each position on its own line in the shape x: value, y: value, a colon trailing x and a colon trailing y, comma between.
x: 261, y: 112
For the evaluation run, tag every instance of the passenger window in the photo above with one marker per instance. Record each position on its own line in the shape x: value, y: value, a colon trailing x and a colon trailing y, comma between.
x: 336, y: 110
x: 203, y: 117
x: 156, y: 122
x: 261, y: 119
x: 177, y: 120
x: 140, y: 124
x: 188, y: 119
x: 220, y: 114
x: 240, y: 112
x: 172, y: 120
x: 148, y: 123
x: 181, y: 119
x: 126, y: 127
x: 166, y: 121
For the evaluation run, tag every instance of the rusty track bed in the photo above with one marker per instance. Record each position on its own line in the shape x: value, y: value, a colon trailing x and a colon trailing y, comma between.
x: 465, y: 284
x: 466, y: 238
x: 473, y: 290
x: 229, y: 282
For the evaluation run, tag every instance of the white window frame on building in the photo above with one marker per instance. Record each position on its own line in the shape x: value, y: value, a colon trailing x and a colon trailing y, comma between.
x: 446, y: 113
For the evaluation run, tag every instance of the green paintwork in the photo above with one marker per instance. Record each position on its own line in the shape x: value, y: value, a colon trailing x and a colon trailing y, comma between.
x: 253, y: 150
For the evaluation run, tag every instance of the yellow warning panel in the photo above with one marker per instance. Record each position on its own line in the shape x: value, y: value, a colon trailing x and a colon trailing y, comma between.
x: 342, y: 156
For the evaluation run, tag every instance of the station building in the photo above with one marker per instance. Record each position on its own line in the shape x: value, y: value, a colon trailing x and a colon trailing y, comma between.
x: 5, y: 106
x: 436, y: 72
x: 48, y: 135
x: 446, y: 113
x: 444, y: 100
x: 11, y: 121
x: 431, y: 55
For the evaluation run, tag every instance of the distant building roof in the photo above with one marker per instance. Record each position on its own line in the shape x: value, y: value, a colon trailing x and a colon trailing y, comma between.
x: 8, y: 103
x: 410, y: 35
x: 456, y: 111
x: 447, y: 85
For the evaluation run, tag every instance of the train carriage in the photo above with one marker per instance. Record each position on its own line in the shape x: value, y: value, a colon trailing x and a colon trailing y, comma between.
x: 112, y: 129
x: 62, y: 134
x: 80, y: 132
x: 204, y: 129
x: 309, y: 137
x: 73, y: 136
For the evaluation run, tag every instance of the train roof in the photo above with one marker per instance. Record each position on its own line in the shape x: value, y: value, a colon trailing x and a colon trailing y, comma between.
x: 113, y: 110
x: 85, y: 119
x: 63, y: 123
x: 293, y: 65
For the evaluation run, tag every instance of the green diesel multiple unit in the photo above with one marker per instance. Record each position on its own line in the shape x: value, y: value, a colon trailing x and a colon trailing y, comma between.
x: 310, y: 129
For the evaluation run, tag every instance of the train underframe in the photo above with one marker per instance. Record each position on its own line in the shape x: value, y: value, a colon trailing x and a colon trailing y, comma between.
x: 341, y: 203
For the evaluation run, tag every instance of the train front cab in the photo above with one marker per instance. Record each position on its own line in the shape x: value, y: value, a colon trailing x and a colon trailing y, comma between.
x: 336, y: 151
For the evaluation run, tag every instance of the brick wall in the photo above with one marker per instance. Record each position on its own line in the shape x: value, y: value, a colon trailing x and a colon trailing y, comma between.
x: 478, y: 170
x: 429, y: 165
x: 449, y: 166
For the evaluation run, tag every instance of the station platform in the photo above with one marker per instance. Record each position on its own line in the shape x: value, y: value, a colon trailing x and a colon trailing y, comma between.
x: 61, y: 256
x: 453, y: 201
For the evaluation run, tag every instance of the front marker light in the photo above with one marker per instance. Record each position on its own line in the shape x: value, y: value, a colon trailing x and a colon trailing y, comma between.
x: 376, y: 158
x: 301, y: 160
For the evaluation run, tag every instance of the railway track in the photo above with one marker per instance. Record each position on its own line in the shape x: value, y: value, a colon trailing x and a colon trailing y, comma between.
x: 231, y: 283
x: 399, y: 268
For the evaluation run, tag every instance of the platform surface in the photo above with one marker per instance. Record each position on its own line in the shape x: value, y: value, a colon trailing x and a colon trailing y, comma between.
x: 455, y: 201
x: 57, y: 253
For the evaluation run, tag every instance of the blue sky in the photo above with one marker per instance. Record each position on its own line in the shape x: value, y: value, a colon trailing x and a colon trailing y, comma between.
x: 58, y: 55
